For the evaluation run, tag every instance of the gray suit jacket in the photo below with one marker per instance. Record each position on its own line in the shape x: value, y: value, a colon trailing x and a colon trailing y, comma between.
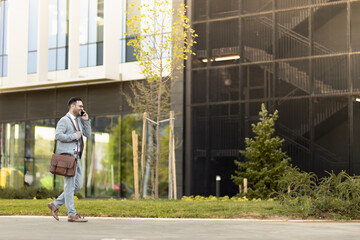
x: 66, y: 136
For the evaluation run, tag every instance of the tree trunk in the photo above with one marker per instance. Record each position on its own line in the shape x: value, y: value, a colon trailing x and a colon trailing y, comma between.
x: 152, y: 161
x: 158, y: 144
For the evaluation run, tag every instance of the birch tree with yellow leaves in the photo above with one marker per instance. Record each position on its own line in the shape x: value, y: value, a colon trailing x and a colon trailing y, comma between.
x: 162, y: 39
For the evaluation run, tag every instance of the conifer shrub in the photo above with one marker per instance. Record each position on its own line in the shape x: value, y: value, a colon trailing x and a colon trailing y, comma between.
x: 265, y: 162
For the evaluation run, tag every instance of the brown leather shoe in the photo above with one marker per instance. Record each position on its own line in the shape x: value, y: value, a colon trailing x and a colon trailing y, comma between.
x: 54, y: 210
x: 76, y: 218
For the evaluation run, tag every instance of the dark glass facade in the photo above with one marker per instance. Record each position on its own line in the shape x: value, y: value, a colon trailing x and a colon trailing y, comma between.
x: 27, y: 133
x: 297, y: 56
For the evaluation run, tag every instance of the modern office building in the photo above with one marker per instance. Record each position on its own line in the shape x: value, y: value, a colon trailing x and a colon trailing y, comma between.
x: 297, y: 56
x: 52, y: 50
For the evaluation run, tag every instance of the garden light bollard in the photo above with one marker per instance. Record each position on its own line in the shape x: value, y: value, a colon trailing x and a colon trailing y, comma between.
x: 218, y: 179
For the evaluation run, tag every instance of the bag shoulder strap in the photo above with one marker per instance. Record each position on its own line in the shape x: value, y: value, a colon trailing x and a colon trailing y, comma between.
x: 75, y: 131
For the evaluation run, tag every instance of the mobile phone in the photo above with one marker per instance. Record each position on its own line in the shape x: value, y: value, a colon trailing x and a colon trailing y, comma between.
x: 82, y: 113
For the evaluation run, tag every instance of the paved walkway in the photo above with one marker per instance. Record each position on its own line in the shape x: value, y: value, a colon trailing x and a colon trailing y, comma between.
x: 31, y: 227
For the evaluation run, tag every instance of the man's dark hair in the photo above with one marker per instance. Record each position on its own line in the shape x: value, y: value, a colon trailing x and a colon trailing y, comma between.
x: 73, y: 100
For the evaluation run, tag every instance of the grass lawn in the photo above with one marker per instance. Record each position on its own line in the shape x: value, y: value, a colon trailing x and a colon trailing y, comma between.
x: 156, y: 209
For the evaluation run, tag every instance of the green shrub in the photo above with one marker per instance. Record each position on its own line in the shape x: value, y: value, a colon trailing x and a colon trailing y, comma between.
x: 30, y: 193
x: 335, y: 195
x: 266, y: 162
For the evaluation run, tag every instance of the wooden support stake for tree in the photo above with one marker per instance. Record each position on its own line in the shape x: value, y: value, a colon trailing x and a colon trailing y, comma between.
x: 245, y: 185
x: 171, y: 189
x: 142, y: 163
x: 172, y: 120
x: 135, y: 161
x: 240, y: 188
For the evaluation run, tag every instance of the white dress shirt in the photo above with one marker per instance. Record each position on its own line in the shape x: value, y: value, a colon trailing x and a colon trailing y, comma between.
x: 73, y: 118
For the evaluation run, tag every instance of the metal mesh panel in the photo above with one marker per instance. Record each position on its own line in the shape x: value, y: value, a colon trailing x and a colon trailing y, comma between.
x: 330, y: 75
x: 221, y: 8
x: 41, y: 104
x: 293, y: 32
x: 224, y: 84
x: 293, y: 126
x: 293, y: 79
x: 257, y: 37
x: 330, y: 120
x: 251, y: 6
x: 329, y: 29
x: 198, y: 86
x: 12, y: 106
x: 355, y: 23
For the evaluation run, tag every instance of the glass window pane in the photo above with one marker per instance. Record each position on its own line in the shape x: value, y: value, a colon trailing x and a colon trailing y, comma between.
x: 1, y: 66
x: 62, y: 58
x: 62, y: 23
x: 14, y: 149
x: 2, y: 11
x: 129, y: 53
x: 84, y: 20
x: 99, y: 55
x: 32, y: 62
x: 53, y: 28
x: 52, y: 60
x: 5, y: 50
x: 33, y: 24
x: 93, y: 21
x: 5, y: 65
x: 100, y: 21
x: 121, y: 51
x: 83, y: 55
x: 92, y: 55
x: 41, y: 134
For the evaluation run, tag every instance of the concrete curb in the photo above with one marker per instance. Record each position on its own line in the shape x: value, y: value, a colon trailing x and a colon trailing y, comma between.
x: 192, y: 219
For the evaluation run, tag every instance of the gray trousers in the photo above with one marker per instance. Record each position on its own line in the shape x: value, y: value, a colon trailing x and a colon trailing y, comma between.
x: 71, y: 186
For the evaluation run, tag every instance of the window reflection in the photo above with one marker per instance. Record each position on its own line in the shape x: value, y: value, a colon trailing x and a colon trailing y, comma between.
x: 58, y: 34
x: 3, y: 37
x: 26, y: 149
x: 33, y: 33
x: 127, y: 52
x: 12, y: 155
x: 91, y: 33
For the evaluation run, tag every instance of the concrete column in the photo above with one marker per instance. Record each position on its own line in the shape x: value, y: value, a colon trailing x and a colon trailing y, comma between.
x: 43, y: 41
x: 177, y: 98
x: 74, y: 39
x: 112, y: 21
x: 18, y: 14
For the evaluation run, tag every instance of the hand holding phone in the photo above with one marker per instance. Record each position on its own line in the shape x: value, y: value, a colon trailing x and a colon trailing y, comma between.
x: 84, y: 115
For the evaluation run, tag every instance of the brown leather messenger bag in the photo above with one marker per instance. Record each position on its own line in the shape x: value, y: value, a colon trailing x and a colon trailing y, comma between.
x: 64, y: 164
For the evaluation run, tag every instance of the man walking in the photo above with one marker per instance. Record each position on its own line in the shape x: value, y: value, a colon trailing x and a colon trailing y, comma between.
x: 69, y: 132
